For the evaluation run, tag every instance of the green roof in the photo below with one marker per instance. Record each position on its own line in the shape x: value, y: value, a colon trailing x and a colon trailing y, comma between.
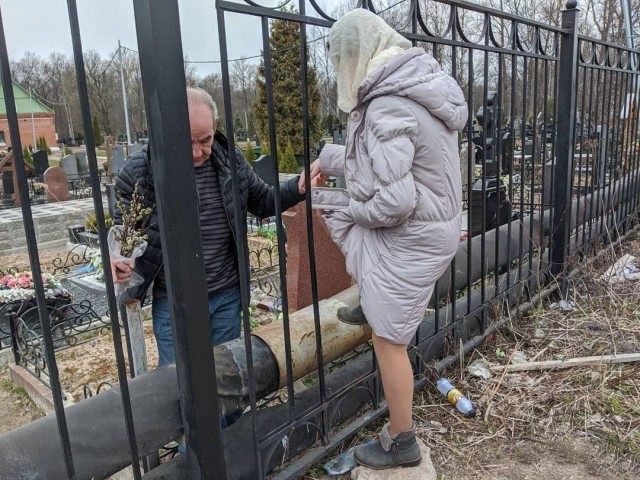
x: 24, y: 103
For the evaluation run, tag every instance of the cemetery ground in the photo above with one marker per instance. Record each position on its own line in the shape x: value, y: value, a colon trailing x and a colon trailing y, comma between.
x: 576, y: 423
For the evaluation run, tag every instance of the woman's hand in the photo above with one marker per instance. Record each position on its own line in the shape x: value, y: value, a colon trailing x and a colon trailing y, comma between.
x: 317, y: 178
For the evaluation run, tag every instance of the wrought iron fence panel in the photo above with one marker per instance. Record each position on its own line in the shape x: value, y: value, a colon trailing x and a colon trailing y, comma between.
x: 550, y: 171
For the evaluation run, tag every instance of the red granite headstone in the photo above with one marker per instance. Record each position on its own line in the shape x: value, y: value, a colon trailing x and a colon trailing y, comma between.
x: 57, y: 184
x: 330, y: 263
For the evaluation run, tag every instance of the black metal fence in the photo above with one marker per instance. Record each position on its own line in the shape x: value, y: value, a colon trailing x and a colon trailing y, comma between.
x: 550, y: 153
x: 79, y: 187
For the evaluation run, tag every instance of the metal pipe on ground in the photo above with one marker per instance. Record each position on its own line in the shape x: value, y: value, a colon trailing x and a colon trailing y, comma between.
x: 583, y: 209
x: 98, y: 434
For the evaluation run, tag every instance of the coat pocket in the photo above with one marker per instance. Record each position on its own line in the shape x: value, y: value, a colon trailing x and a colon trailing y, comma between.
x: 330, y: 198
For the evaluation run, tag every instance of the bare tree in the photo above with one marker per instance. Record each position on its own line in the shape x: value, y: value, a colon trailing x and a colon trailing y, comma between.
x: 243, y: 80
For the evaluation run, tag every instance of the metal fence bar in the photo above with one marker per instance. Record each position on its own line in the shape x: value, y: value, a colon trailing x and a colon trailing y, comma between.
x: 603, y: 144
x: 32, y: 246
x: 564, y: 165
x: 534, y: 164
x: 592, y: 96
x: 512, y: 115
x: 309, y: 213
x: 241, y: 240
x: 583, y: 163
x: 268, y: 70
x: 83, y: 95
x: 470, y: 176
x: 163, y: 81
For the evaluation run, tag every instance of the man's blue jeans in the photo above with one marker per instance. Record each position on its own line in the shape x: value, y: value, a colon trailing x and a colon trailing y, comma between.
x: 225, y: 307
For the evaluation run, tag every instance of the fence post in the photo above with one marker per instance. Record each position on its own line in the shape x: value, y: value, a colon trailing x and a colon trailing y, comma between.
x: 164, y: 87
x: 563, y: 168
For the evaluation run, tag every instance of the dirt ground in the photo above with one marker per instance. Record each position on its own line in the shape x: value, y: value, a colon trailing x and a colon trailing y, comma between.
x: 16, y: 408
x: 21, y: 260
x: 94, y: 363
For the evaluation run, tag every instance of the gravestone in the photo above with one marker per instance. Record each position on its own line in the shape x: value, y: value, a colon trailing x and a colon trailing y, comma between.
x: 265, y: 168
x: 464, y: 169
x: 40, y: 162
x: 135, y: 148
x: 70, y: 166
x: 83, y: 164
x: 57, y: 184
x: 110, y: 190
x: 7, y: 184
x: 321, y: 145
x: 117, y: 159
x: 600, y: 170
x: 507, y: 152
x: 340, y: 138
x: 528, y: 147
x: 331, y: 273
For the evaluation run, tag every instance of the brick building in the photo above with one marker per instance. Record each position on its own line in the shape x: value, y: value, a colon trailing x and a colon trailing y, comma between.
x: 32, y: 115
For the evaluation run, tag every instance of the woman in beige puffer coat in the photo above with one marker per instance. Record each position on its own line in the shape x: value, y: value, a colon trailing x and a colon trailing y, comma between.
x: 398, y: 224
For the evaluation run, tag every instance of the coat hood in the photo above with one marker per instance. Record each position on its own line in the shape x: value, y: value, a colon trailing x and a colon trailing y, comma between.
x: 417, y: 75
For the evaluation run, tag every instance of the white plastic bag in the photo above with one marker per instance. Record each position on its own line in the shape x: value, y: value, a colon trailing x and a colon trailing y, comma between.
x: 115, y: 254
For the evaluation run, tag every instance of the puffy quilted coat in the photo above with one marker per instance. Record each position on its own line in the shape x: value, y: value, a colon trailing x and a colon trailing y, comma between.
x: 401, y: 225
x: 255, y: 196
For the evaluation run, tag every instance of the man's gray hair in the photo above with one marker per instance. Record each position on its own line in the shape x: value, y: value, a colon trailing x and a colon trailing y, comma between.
x: 199, y: 96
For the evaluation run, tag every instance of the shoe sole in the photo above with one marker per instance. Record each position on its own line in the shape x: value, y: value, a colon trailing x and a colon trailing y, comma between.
x: 410, y: 463
x: 348, y: 322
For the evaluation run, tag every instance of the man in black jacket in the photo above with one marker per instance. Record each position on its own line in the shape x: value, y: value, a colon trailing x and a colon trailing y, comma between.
x: 213, y: 178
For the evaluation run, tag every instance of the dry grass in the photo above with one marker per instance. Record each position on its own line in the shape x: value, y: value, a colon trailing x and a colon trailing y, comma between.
x: 585, y: 419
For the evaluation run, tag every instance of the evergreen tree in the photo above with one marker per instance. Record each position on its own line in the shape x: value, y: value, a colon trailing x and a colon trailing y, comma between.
x: 238, y: 126
x: 97, y: 135
x: 287, y: 162
x: 287, y: 92
x: 248, y: 153
x: 252, y: 126
x: 26, y: 155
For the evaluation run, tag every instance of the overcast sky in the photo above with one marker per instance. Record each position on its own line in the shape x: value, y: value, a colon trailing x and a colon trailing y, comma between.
x: 42, y: 26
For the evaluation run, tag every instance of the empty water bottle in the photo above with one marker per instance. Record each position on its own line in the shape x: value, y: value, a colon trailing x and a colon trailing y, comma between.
x: 462, y: 403
x: 343, y: 463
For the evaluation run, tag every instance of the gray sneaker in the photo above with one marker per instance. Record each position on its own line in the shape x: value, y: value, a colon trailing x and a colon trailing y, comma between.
x: 352, y: 315
x: 399, y: 451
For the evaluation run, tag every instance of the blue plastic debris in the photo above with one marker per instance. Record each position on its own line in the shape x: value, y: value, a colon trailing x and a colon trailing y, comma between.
x: 343, y: 463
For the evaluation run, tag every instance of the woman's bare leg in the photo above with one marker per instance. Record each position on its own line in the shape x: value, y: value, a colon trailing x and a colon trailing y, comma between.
x: 397, y: 380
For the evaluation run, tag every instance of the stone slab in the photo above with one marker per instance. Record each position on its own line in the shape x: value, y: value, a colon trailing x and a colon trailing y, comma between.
x: 424, y: 471
x: 331, y: 272
x: 84, y: 283
x: 37, y: 391
x: 50, y: 224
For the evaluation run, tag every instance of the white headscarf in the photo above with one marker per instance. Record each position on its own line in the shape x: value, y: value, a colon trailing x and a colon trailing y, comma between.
x: 359, y: 43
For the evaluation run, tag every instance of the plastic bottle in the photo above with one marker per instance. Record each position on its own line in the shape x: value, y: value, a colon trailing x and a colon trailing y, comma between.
x: 462, y: 403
